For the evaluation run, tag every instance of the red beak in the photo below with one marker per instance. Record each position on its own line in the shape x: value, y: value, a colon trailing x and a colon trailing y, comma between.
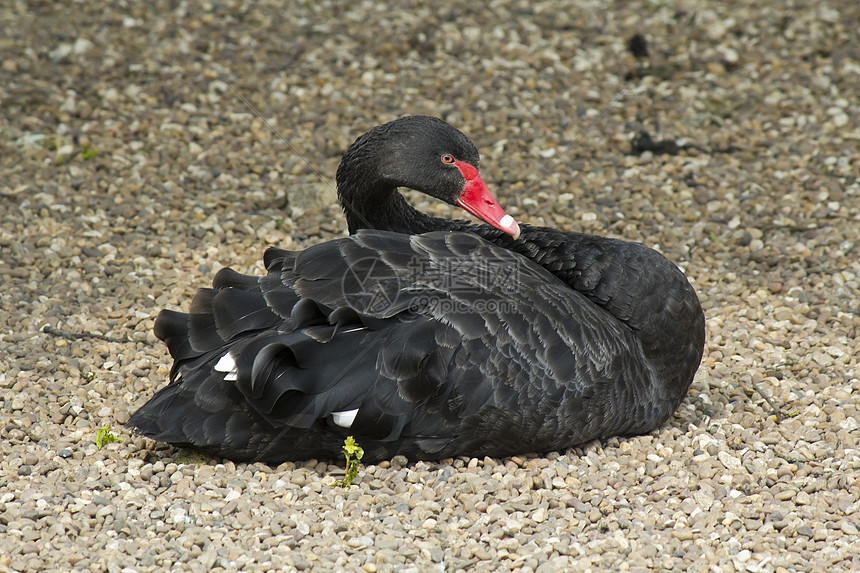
x: 477, y: 200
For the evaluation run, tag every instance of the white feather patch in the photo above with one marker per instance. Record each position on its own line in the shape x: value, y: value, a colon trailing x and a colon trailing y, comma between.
x: 344, y: 419
x: 228, y: 364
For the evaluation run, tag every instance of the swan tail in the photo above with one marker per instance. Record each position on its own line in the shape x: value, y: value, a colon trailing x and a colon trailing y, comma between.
x: 253, y: 380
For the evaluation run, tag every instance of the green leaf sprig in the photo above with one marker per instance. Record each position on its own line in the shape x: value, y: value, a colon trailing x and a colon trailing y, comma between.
x: 353, y: 454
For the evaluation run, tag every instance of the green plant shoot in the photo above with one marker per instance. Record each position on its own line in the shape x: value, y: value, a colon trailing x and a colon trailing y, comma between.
x: 88, y: 152
x: 105, y: 436
x: 353, y: 454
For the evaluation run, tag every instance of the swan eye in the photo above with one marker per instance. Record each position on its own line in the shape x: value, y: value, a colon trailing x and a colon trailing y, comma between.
x: 448, y: 158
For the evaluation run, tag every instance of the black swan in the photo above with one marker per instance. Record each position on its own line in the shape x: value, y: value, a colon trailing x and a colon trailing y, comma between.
x: 427, y: 337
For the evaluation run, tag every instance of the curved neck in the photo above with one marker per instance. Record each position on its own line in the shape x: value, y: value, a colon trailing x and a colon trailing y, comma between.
x: 377, y: 205
x: 368, y: 201
x: 368, y: 208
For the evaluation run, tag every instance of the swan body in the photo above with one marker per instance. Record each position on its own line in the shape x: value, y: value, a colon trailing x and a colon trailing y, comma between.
x: 426, y: 337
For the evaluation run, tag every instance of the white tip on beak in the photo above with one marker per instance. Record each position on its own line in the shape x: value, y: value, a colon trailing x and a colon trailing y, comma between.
x: 510, y: 226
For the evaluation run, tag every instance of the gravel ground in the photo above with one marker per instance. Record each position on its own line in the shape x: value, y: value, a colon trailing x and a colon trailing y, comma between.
x: 135, y: 162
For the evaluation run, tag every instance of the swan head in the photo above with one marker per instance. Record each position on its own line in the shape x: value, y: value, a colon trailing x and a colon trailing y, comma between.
x: 428, y: 155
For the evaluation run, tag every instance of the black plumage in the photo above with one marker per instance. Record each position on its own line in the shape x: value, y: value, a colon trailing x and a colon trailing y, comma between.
x: 426, y: 337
